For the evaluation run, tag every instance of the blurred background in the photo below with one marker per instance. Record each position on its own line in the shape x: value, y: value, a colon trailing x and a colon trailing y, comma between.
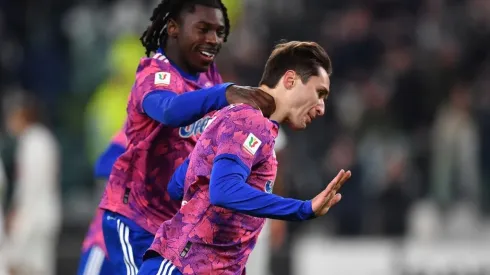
x: 409, y: 114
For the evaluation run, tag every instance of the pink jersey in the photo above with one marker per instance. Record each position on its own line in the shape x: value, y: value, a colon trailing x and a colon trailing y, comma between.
x: 95, y: 237
x: 138, y: 182
x: 207, y: 239
x: 119, y: 138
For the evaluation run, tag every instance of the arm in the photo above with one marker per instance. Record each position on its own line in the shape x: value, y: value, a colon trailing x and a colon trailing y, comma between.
x: 175, y: 187
x: 228, y: 189
x: 103, y: 166
x: 175, y: 110
x: 157, y: 92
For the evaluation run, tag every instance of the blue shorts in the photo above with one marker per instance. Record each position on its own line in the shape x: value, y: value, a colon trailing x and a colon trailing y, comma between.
x: 94, y: 262
x: 126, y: 243
x: 158, y: 266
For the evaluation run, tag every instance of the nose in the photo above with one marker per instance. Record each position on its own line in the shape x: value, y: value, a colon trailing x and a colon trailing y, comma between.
x: 212, y: 38
x: 320, y: 108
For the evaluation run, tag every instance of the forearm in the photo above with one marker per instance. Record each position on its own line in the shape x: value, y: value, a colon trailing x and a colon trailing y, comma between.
x: 228, y: 189
x: 175, y: 110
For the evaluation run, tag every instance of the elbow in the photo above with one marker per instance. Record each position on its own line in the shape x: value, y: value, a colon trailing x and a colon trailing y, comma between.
x: 100, y: 173
x: 174, y: 193
x: 102, y: 169
x: 216, y: 198
x: 162, y: 109
x: 168, y: 119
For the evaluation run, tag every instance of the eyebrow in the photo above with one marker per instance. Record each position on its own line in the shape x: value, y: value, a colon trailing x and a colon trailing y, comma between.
x: 219, y: 25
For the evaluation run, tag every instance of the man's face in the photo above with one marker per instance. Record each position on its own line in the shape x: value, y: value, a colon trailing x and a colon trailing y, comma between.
x: 14, y: 121
x: 201, y: 34
x: 307, y: 100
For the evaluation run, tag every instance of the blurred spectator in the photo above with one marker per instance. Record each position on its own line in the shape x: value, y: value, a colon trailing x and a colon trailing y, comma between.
x: 394, y: 200
x: 35, y: 219
x: 483, y: 115
x: 3, y: 253
x: 348, y: 215
x: 455, y: 169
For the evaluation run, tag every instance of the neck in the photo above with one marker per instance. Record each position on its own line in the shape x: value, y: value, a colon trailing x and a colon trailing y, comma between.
x: 173, y: 54
x: 281, y: 112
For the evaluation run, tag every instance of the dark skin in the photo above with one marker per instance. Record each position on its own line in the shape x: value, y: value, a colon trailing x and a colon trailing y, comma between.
x: 200, y: 30
x: 203, y: 30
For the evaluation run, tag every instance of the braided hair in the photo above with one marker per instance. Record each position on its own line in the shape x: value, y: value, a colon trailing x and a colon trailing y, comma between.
x: 156, y: 35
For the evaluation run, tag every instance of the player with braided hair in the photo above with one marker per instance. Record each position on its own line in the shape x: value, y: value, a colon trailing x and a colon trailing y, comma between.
x: 156, y: 34
x: 177, y: 89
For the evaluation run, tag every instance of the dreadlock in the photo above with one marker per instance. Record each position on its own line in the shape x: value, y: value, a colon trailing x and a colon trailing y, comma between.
x: 155, y: 35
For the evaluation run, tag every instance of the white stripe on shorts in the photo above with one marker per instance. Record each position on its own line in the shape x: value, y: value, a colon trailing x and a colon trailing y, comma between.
x: 166, y: 268
x: 164, y: 262
x: 94, y: 262
x: 123, y: 231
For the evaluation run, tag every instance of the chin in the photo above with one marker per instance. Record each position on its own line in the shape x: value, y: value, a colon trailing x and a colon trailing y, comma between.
x: 205, y: 68
x: 297, y: 126
x: 202, y: 65
x: 200, y: 68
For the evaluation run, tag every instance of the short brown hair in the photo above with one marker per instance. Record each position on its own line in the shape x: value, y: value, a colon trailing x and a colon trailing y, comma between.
x: 305, y: 58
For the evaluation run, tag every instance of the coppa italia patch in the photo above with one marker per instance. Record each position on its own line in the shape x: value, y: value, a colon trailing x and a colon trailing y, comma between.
x: 252, y: 144
x: 162, y: 78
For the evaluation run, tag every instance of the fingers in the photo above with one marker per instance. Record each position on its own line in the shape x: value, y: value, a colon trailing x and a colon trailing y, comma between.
x: 335, y: 185
x: 335, y: 200
x: 329, y: 192
x: 329, y: 196
x: 335, y: 181
x: 338, y: 181
x: 339, y: 184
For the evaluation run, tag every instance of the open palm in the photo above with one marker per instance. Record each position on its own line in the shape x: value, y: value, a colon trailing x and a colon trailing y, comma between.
x: 329, y: 196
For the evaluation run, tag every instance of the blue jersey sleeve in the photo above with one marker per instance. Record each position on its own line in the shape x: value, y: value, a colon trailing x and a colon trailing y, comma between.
x: 228, y: 189
x: 104, y: 163
x: 175, y: 187
x: 175, y: 110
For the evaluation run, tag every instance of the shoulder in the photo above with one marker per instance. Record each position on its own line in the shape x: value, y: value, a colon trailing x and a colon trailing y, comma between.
x: 243, y: 116
x: 39, y: 133
x: 38, y: 140
x: 242, y: 111
x: 158, y: 70
x: 119, y: 138
x: 245, y: 124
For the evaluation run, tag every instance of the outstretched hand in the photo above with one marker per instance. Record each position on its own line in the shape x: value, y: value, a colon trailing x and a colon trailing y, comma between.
x: 329, y: 197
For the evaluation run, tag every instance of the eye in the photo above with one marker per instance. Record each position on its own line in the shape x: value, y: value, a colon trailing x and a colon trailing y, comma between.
x: 322, y: 94
x: 220, y: 32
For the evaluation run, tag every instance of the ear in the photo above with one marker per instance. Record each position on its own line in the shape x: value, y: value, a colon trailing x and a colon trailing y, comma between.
x: 290, y: 79
x: 172, y: 28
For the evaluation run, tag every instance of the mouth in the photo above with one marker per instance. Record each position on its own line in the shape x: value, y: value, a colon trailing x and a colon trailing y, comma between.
x: 208, y: 54
x: 308, y: 119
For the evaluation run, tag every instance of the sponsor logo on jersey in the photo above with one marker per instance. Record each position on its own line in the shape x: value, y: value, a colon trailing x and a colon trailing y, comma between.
x: 195, y: 128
